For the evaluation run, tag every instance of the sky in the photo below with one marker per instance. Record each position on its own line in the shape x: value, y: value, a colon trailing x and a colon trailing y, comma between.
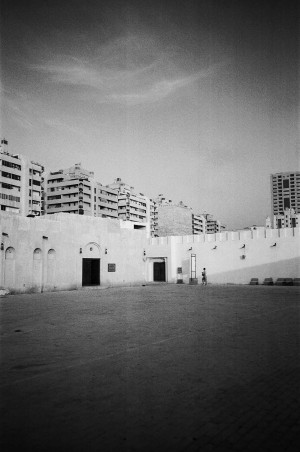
x: 196, y: 100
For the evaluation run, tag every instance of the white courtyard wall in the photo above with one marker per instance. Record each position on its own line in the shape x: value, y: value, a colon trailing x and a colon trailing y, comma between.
x: 230, y: 262
x: 31, y: 263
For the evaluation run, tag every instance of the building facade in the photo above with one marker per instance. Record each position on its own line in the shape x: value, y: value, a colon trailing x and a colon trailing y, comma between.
x: 212, y: 226
x: 198, y: 223
x: 285, y: 192
x: 179, y: 219
x: 20, y: 183
x: 27, y: 190
x: 65, y: 251
x: 288, y: 219
x: 75, y: 190
x: 132, y: 206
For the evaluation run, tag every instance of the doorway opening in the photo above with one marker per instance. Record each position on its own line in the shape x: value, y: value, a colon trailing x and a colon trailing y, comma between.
x: 90, y: 272
x: 159, y: 271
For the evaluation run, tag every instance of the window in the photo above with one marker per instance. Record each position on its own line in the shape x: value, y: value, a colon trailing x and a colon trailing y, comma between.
x: 54, y: 197
x: 10, y: 176
x: 10, y: 197
x: 8, y: 186
x: 286, y: 203
x: 36, y: 182
x: 286, y: 183
x: 11, y: 165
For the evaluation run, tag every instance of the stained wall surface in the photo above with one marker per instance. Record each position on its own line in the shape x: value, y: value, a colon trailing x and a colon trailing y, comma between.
x: 174, y: 220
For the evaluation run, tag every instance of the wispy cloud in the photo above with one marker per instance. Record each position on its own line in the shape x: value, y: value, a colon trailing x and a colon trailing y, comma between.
x: 130, y: 71
x: 156, y: 91
x: 63, y: 126
x: 29, y: 113
x: 18, y: 107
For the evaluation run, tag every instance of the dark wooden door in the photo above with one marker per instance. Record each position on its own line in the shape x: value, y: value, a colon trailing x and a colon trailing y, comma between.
x: 159, y: 271
x: 90, y: 272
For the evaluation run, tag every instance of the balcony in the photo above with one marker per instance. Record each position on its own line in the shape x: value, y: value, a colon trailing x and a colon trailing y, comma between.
x: 51, y: 202
x: 7, y: 169
x: 64, y: 208
x: 65, y: 190
x: 9, y: 180
x: 107, y: 205
x: 102, y: 194
x: 8, y: 203
x: 108, y: 212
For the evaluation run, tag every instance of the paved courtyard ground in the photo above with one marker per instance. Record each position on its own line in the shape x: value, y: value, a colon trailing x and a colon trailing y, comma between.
x: 155, y: 368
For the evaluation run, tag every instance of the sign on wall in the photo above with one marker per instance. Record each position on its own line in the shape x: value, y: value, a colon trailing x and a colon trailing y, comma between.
x: 179, y: 269
x: 111, y: 267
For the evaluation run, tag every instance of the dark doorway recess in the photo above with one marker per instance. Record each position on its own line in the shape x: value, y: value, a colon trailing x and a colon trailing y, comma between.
x: 90, y: 272
x: 159, y: 271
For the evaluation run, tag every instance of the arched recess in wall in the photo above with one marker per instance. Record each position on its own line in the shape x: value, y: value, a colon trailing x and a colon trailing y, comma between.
x: 51, y: 265
x: 37, y: 269
x: 10, y: 268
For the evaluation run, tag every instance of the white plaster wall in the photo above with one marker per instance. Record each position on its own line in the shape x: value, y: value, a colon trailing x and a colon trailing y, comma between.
x: 66, y: 235
x: 224, y: 263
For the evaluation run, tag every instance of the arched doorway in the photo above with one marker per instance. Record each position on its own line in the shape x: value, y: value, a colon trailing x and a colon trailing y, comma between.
x: 91, y: 265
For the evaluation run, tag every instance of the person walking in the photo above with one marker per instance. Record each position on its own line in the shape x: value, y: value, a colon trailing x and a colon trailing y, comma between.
x: 204, y: 278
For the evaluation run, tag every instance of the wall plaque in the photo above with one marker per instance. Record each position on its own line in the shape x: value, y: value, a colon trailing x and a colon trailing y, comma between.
x: 111, y: 267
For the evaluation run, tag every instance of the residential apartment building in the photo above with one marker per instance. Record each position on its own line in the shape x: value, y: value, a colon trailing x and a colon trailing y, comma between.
x: 75, y: 190
x: 198, y: 224
x: 288, y: 219
x: 285, y: 192
x: 26, y: 189
x: 20, y: 183
x: 212, y: 225
x: 179, y: 219
x: 132, y: 206
x: 205, y: 224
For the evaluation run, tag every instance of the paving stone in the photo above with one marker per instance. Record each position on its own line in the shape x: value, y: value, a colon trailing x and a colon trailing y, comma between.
x: 141, y: 369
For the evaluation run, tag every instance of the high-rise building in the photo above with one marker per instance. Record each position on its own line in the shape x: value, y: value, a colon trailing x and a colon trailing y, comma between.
x: 132, y: 206
x: 20, y: 183
x: 285, y: 192
x: 75, y: 190
x: 198, y: 224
